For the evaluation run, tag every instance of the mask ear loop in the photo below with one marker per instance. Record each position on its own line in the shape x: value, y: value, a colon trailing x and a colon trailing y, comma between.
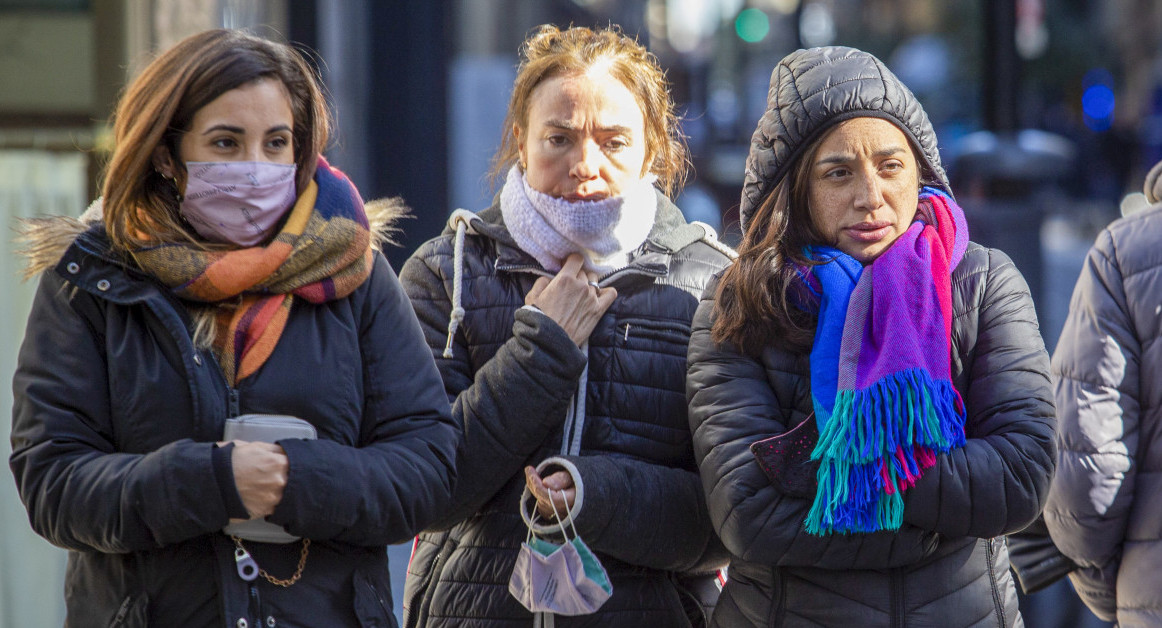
x: 568, y: 513
x: 557, y: 515
x: 529, y: 534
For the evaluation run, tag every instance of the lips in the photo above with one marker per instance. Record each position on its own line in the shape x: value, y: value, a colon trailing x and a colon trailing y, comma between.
x: 575, y: 197
x: 869, y: 231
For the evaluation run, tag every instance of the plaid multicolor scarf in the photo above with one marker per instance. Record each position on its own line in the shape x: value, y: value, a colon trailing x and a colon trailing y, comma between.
x: 880, y: 370
x: 323, y: 253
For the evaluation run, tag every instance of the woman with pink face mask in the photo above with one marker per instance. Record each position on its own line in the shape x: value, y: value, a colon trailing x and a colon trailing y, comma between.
x: 559, y: 318
x: 229, y: 276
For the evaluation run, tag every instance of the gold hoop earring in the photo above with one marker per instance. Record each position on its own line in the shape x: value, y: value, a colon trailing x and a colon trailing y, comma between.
x: 177, y: 194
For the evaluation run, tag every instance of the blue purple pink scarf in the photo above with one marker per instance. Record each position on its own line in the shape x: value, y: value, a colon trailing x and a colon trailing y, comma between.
x: 880, y: 370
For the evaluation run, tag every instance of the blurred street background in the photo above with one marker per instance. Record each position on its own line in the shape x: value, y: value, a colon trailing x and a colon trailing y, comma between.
x: 1048, y: 116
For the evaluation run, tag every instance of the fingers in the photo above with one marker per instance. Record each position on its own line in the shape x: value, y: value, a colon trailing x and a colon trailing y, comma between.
x: 555, y: 494
x: 538, y: 287
x: 605, y: 298
x: 558, y: 481
x: 260, y: 475
x: 572, y: 266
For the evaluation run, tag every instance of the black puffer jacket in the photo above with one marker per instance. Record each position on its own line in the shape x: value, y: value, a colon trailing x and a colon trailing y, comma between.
x: 512, y: 374
x: 117, y: 413
x: 945, y: 567
x: 1104, y: 510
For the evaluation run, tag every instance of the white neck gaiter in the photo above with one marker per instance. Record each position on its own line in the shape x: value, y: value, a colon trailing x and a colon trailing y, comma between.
x: 604, y: 232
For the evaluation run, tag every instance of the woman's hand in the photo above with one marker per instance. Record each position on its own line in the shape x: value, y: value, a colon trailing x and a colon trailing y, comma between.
x: 260, y: 471
x: 557, y: 487
x: 570, y: 299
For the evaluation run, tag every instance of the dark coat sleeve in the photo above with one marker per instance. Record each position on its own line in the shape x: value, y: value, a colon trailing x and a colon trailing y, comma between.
x: 80, y: 493
x: 732, y: 405
x: 505, y: 407
x: 1098, y: 373
x: 400, y: 476
x: 998, y: 482
x: 646, y: 514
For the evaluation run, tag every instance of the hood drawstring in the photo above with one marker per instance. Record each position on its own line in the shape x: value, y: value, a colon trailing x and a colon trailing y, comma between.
x: 575, y: 417
x: 711, y: 238
x: 460, y: 220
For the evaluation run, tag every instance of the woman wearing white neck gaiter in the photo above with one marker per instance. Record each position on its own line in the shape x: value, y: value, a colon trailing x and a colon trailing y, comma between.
x: 603, y: 231
x: 560, y: 318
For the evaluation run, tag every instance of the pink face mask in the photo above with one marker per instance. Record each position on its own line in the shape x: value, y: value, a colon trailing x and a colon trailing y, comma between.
x: 237, y: 202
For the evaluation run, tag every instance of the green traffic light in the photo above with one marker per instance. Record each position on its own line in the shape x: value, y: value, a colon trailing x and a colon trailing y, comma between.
x: 752, y: 25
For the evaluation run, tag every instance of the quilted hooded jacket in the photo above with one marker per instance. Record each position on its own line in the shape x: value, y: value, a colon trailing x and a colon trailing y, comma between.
x: 1104, y: 510
x: 115, y: 418
x: 511, y: 373
x: 947, y: 566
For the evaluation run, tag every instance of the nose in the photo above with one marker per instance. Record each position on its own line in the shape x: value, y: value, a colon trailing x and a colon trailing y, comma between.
x: 869, y: 194
x: 587, y: 166
x: 253, y: 151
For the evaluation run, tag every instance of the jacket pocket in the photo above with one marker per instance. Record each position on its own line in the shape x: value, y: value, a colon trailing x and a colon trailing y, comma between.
x: 699, y: 594
x: 372, y: 598
x: 653, y: 335
x: 131, y: 613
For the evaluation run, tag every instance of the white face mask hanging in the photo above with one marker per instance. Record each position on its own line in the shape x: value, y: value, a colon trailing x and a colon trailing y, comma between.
x: 562, y: 579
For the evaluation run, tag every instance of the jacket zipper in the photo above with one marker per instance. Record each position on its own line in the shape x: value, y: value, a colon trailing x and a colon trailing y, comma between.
x: 419, y: 615
x: 989, y: 559
x: 122, y: 611
x: 897, y: 594
x: 233, y: 409
x: 537, y: 270
x: 524, y: 268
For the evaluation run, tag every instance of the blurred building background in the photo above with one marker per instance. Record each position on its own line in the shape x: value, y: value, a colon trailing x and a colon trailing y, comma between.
x: 1048, y: 116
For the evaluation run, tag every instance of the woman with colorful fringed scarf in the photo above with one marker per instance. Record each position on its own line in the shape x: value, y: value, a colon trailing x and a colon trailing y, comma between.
x: 869, y: 391
x: 227, y: 271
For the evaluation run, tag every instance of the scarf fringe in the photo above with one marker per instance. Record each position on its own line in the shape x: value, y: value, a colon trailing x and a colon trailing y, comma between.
x: 875, y: 444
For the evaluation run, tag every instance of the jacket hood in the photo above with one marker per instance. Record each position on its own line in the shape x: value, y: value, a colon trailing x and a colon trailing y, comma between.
x: 42, y: 241
x: 1153, y: 186
x: 814, y: 89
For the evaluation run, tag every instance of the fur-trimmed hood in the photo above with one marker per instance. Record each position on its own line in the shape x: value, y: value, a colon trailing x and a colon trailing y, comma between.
x: 42, y: 241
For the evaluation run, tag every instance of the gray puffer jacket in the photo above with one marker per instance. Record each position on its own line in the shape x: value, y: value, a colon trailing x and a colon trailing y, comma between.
x: 947, y: 565
x: 512, y: 372
x: 1104, y: 510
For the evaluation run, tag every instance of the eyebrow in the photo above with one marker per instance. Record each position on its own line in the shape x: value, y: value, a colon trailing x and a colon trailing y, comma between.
x: 565, y: 125
x: 240, y: 131
x: 846, y: 157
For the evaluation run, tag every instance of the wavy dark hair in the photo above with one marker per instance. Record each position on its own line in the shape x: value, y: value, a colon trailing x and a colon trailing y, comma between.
x: 753, y: 308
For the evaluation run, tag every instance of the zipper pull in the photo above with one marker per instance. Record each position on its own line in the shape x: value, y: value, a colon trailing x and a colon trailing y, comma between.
x: 247, y: 568
x: 627, y: 332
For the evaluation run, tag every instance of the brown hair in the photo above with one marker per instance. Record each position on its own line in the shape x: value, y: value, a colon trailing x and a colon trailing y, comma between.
x: 550, y: 52
x: 753, y: 305
x: 158, y: 107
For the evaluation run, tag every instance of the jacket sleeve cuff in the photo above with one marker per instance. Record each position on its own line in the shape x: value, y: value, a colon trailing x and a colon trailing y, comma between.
x: 221, y: 459
x: 531, y: 323
x: 528, y: 503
